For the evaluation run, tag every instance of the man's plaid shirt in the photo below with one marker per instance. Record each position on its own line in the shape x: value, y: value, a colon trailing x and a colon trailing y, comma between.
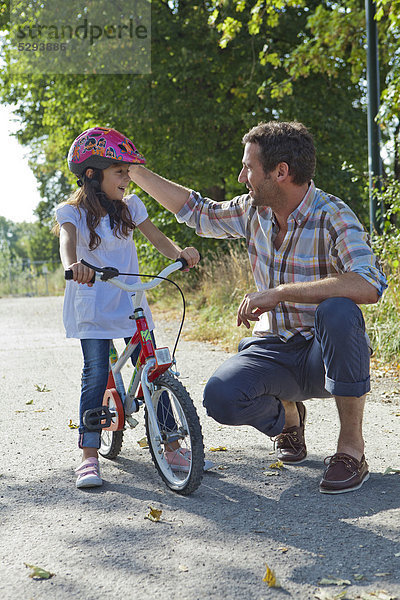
x: 324, y: 238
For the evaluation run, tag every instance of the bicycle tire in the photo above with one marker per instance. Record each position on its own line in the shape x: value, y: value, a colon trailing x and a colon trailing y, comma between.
x: 111, y: 439
x: 186, y: 429
x: 111, y: 443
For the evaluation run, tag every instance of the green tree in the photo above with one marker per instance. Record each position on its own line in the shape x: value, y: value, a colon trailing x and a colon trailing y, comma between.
x: 189, y: 114
x: 332, y: 42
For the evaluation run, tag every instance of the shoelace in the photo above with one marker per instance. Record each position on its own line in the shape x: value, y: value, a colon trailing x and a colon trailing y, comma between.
x: 349, y: 463
x: 289, y: 437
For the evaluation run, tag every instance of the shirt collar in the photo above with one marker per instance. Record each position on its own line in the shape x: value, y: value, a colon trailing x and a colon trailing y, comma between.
x: 301, y: 213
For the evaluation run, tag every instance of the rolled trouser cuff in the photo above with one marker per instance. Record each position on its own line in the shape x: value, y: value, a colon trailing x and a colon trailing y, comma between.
x: 89, y: 439
x: 344, y: 388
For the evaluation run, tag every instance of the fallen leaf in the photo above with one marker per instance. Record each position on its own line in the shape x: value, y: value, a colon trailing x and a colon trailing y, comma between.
x: 143, y: 443
x: 358, y: 576
x: 222, y: 467
x: 322, y: 594
x: 183, y: 568
x: 276, y: 465
x: 38, y: 572
x: 41, y: 388
x: 29, y: 402
x: 218, y: 449
x: 72, y: 425
x: 283, y: 549
x: 391, y: 470
x: 45, y: 428
x: 376, y: 595
x: 382, y: 574
x: 334, y: 581
x: 271, y: 473
x: 154, y: 515
x: 270, y: 578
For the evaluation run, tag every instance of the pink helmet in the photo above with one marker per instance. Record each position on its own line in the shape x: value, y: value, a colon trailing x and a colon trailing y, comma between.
x: 100, y: 147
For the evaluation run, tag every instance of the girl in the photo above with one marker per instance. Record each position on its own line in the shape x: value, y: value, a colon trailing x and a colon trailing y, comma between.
x: 96, y: 224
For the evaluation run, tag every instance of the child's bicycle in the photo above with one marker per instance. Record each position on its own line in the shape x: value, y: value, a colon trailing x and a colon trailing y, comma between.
x: 173, y: 428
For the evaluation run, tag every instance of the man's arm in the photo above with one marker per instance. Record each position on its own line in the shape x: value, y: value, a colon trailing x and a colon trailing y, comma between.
x: 167, y: 193
x: 344, y: 285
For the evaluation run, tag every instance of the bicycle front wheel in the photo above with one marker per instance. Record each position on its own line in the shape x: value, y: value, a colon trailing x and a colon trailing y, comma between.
x: 179, y: 454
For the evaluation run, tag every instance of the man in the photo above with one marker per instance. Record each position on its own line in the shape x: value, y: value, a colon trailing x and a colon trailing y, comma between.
x: 312, y: 266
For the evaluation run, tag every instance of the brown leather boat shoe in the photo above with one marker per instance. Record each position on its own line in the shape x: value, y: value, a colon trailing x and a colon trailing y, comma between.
x: 290, y: 444
x: 343, y: 474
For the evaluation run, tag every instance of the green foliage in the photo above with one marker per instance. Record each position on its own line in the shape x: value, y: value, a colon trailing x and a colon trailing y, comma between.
x: 387, y: 245
x: 382, y: 319
x: 331, y: 43
x: 43, y: 245
x: 188, y: 116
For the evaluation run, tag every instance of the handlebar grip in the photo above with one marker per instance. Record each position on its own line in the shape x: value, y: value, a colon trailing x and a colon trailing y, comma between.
x: 68, y: 274
x: 184, y: 263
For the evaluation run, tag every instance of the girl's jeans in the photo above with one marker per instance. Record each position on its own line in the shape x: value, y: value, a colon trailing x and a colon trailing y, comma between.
x: 247, y: 389
x: 94, y: 383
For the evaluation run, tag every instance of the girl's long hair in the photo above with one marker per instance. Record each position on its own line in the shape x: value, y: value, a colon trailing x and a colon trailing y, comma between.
x: 87, y: 198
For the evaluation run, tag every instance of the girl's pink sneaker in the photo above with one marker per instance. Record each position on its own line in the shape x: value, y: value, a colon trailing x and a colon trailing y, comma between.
x: 88, y: 474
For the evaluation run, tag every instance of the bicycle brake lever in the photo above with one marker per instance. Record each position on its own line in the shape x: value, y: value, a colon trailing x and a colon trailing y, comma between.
x: 174, y: 372
x: 106, y: 272
x: 109, y: 273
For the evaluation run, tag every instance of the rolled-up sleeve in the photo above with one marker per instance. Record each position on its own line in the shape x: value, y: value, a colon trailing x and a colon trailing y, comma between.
x: 351, y: 250
x: 215, y: 219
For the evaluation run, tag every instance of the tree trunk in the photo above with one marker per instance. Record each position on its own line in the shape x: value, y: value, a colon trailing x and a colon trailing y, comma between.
x: 396, y: 153
x: 216, y: 192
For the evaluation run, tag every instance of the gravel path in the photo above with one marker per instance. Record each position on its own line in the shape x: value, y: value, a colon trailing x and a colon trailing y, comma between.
x: 212, y: 545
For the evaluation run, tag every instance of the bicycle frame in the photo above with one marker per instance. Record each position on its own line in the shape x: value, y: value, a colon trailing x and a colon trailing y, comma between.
x: 151, y: 362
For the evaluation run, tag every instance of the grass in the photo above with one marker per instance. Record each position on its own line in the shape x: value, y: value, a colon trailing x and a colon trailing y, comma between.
x: 26, y: 282
x: 213, y: 299
x: 382, y: 322
x: 213, y: 293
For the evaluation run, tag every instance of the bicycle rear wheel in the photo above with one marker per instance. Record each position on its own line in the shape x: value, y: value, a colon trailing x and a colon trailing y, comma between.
x: 179, y: 424
x: 112, y: 437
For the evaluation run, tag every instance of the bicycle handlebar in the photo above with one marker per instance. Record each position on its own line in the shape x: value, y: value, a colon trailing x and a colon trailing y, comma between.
x: 109, y: 273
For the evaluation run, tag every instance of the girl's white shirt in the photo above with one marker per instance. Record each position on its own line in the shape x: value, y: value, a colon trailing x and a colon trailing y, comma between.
x: 102, y: 311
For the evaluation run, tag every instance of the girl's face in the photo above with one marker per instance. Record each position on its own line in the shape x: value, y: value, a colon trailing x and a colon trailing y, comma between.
x: 115, y: 181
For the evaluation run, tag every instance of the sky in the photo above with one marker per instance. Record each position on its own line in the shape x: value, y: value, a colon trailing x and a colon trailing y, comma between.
x: 20, y: 194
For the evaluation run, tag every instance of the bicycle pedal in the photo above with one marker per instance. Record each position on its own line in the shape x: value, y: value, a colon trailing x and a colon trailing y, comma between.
x: 131, y: 421
x: 98, y: 418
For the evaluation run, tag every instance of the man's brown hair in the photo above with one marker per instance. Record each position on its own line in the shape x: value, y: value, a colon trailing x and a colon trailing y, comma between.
x: 288, y: 142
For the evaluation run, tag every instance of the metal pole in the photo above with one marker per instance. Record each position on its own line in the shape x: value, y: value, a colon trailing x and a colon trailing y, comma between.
x: 374, y: 138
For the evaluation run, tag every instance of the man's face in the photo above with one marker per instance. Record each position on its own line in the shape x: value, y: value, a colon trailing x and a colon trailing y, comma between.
x: 263, y: 188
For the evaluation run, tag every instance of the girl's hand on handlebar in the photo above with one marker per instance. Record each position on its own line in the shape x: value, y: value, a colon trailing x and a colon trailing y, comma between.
x: 81, y: 273
x: 191, y: 256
